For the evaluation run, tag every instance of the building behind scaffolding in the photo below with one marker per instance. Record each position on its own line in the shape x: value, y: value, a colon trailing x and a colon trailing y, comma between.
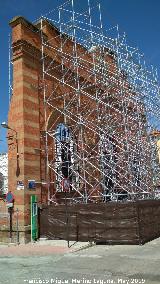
x: 84, y: 106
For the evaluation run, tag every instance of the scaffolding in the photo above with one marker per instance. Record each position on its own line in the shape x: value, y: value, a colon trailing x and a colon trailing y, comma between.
x: 101, y: 106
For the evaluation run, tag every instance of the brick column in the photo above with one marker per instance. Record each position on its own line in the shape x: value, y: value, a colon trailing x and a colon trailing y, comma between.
x: 23, y: 117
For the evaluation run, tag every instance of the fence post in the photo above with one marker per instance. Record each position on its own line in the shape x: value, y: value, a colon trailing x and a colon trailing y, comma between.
x: 10, y: 223
x: 67, y: 224
x: 17, y: 225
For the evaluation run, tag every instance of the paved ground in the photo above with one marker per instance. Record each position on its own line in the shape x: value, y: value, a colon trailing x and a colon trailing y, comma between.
x: 53, y: 262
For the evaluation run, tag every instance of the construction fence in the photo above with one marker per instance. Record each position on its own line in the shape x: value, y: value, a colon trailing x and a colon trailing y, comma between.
x: 112, y: 223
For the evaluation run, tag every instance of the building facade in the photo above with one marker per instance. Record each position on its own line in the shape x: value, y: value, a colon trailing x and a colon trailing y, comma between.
x: 76, y: 120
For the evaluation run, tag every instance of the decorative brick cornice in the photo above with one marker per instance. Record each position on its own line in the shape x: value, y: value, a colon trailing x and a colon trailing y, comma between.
x: 21, y: 20
x: 22, y: 47
x: 36, y: 28
x: 45, y: 21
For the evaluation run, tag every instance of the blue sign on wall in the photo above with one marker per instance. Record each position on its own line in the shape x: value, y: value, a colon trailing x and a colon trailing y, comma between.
x: 31, y: 184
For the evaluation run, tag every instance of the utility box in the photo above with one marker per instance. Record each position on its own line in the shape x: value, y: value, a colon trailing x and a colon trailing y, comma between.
x: 34, y: 218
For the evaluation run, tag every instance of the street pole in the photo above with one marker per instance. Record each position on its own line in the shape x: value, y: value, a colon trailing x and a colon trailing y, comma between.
x: 66, y: 207
x: 17, y: 225
x: 10, y: 223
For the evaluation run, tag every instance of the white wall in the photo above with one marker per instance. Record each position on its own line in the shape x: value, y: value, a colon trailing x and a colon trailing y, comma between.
x: 4, y: 169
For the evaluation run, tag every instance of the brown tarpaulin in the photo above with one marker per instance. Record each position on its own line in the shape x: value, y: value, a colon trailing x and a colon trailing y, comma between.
x: 113, y: 222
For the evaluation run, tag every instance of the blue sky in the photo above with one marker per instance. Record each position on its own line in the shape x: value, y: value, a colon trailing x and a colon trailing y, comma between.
x: 138, y: 18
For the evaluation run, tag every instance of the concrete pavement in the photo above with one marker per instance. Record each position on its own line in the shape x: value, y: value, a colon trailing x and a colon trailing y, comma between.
x: 53, y: 262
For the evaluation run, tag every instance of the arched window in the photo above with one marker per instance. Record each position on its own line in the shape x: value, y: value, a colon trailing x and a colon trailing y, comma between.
x: 1, y: 182
x: 64, y: 156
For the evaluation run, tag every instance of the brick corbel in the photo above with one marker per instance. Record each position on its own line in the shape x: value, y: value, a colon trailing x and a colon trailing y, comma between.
x: 22, y: 48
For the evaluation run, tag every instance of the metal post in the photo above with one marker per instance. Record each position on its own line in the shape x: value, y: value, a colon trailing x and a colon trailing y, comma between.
x: 10, y: 223
x: 17, y: 225
x: 66, y: 208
